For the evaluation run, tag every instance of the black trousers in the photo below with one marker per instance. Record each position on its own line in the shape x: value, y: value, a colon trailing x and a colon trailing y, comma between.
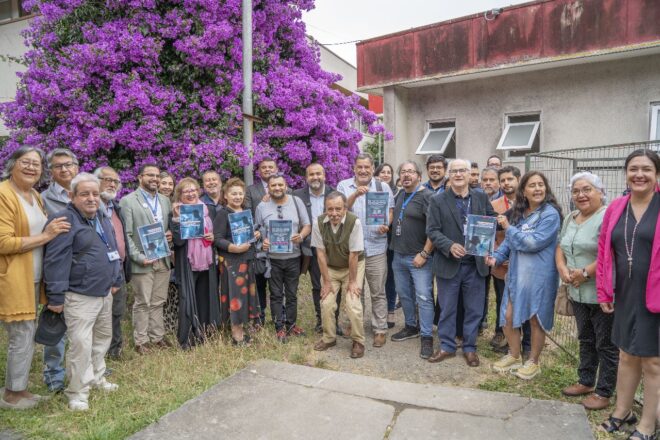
x: 284, y: 277
x: 499, y: 292
x: 315, y: 276
x: 262, y: 288
x: 598, y: 354
x: 118, y: 310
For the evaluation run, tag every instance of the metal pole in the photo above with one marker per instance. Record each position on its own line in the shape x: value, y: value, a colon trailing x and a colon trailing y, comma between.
x: 248, y: 171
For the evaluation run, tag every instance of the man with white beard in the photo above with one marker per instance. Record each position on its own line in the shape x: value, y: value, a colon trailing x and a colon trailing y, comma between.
x: 110, y: 186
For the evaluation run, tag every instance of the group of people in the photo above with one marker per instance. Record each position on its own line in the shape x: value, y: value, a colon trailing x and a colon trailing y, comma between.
x: 75, y: 248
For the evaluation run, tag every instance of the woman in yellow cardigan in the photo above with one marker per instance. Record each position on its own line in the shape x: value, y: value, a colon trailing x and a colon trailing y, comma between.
x: 22, y: 236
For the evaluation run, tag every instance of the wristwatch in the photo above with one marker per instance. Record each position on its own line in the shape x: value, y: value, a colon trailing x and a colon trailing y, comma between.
x: 584, y: 273
x: 425, y: 255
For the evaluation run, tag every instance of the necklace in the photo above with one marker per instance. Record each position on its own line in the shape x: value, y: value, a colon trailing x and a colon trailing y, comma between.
x: 629, y: 250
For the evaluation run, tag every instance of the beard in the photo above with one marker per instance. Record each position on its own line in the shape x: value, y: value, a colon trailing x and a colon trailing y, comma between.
x: 316, y: 185
x: 108, y: 195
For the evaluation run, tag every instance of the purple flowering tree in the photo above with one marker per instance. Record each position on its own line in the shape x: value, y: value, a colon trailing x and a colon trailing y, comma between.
x: 124, y: 82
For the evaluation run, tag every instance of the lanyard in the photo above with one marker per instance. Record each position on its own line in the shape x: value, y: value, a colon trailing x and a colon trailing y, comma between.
x: 154, y: 208
x: 405, y: 203
x: 506, y: 202
x: 100, y: 232
x: 465, y: 210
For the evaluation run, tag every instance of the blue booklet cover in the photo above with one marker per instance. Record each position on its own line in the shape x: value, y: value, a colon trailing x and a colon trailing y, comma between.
x: 153, y: 241
x: 192, y: 221
x: 377, y: 207
x: 280, y: 232
x: 480, y: 235
x: 242, y: 227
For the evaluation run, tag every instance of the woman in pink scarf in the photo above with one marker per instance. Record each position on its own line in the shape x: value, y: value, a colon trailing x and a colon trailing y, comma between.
x: 195, y: 267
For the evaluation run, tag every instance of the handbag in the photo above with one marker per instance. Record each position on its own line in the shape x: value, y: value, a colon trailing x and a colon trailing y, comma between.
x: 563, y: 303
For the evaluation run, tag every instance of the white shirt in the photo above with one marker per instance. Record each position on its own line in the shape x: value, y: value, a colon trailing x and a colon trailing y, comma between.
x: 36, y: 221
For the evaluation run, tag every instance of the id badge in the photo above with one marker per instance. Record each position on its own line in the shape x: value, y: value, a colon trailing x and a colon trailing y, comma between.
x: 465, y: 229
x: 113, y: 256
x: 397, y: 229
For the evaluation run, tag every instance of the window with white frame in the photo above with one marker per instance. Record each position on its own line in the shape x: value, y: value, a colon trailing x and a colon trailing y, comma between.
x: 521, y: 135
x: 440, y: 138
x: 655, y: 122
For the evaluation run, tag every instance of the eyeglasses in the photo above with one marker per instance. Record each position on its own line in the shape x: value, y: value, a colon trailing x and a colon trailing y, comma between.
x: 62, y: 166
x: 411, y: 172
x: 111, y: 180
x: 189, y: 191
x: 280, y: 216
x: 26, y: 163
x: 458, y: 171
x: 586, y: 191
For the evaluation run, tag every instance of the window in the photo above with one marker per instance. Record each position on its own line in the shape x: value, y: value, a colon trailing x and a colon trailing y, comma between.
x: 655, y: 122
x: 521, y: 135
x: 10, y: 9
x: 440, y: 138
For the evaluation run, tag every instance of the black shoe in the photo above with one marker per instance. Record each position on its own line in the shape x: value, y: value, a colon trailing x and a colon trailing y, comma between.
x: 108, y: 372
x: 405, y: 333
x: 427, y: 347
x: 339, y: 331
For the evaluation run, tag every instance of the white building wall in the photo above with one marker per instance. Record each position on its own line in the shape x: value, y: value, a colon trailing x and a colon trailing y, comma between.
x: 11, y: 44
x: 584, y: 105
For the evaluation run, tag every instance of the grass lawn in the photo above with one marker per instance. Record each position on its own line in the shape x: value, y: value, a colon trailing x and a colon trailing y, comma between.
x: 153, y: 385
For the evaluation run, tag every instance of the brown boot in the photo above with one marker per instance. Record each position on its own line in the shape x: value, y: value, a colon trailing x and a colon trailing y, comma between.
x: 323, y: 346
x: 142, y: 349
x: 379, y: 340
x: 577, y: 389
x: 596, y: 402
x: 357, y: 351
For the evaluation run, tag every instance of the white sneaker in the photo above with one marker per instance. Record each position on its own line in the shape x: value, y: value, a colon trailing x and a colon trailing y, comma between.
x: 104, y: 385
x: 78, y: 405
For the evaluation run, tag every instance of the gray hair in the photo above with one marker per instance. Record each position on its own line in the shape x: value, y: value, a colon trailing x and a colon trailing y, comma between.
x: 99, y: 171
x: 61, y: 152
x: 490, y: 170
x: 468, y: 164
x: 20, y: 152
x: 418, y: 169
x: 363, y: 156
x: 593, y: 180
x: 335, y: 195
x: 81, y: 178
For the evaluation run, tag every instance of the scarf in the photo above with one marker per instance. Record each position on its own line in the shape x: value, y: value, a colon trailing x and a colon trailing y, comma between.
x: 200, y: 252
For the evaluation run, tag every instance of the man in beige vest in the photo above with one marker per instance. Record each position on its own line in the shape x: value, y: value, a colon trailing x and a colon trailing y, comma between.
x: 339, y: 242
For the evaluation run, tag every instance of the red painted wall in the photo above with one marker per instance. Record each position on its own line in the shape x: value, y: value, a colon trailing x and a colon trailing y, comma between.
x: 376, y: 104
x: 541, y: 29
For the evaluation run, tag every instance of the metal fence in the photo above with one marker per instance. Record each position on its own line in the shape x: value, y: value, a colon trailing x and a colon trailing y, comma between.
x: 559, y: 166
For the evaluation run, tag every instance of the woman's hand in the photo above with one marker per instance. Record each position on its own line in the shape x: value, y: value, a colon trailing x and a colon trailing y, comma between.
x: 565, y: 274
x: 175, y: 209
x: 239, y: 248
x: 209, y: 237
x: 57, y: 227
x: 266, y: 245
x: 491, y: 261
x: 577, y: 278
x: 257, y: 235
x: 607, y: 307
x: 503, y: 221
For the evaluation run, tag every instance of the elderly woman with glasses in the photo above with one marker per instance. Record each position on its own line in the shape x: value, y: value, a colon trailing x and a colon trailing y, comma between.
x: 22, y: 237
x: 195, y: 268
x: 576, y: 262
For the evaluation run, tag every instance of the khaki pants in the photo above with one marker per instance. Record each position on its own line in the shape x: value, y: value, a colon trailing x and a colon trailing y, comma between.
x: 89, y: 329
x: 150, y: 291
x: 376, y: 276
x: 20, y: 349
x: 352, y: 305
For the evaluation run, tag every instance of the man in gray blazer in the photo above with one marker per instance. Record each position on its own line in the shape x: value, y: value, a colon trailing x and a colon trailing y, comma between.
x: 150, y: 278
x: 457, y: 272
x: 313, y: 196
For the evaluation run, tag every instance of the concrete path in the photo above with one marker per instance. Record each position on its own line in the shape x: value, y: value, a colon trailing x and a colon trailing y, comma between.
x: 272, y: 400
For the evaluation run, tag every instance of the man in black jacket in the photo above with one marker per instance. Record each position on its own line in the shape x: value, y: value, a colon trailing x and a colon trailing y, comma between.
x: 82, y: 269
x: 457, y: 272
x: 110, y: 185
x: 313, y: 196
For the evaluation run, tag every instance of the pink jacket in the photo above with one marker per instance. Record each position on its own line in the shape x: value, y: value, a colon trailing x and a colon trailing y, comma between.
x: 605, y: 265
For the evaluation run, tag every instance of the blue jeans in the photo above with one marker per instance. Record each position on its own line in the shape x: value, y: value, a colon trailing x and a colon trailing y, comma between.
x: 415, y: 288
x: 54, y: 365
x: 470, y: 284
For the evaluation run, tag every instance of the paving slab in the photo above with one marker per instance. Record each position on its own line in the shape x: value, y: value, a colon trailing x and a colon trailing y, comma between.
x: 274, y: 400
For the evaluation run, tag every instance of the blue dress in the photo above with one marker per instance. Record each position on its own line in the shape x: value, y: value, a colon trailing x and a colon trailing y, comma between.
x: 532, y: 279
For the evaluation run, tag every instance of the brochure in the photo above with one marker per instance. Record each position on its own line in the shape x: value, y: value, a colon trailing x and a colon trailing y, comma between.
x: 377, y: 207
x: 153, y: 241
x: 280, y: 232
x: 192, y: 221
x: 480, y: 235
x: 242, y: 227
